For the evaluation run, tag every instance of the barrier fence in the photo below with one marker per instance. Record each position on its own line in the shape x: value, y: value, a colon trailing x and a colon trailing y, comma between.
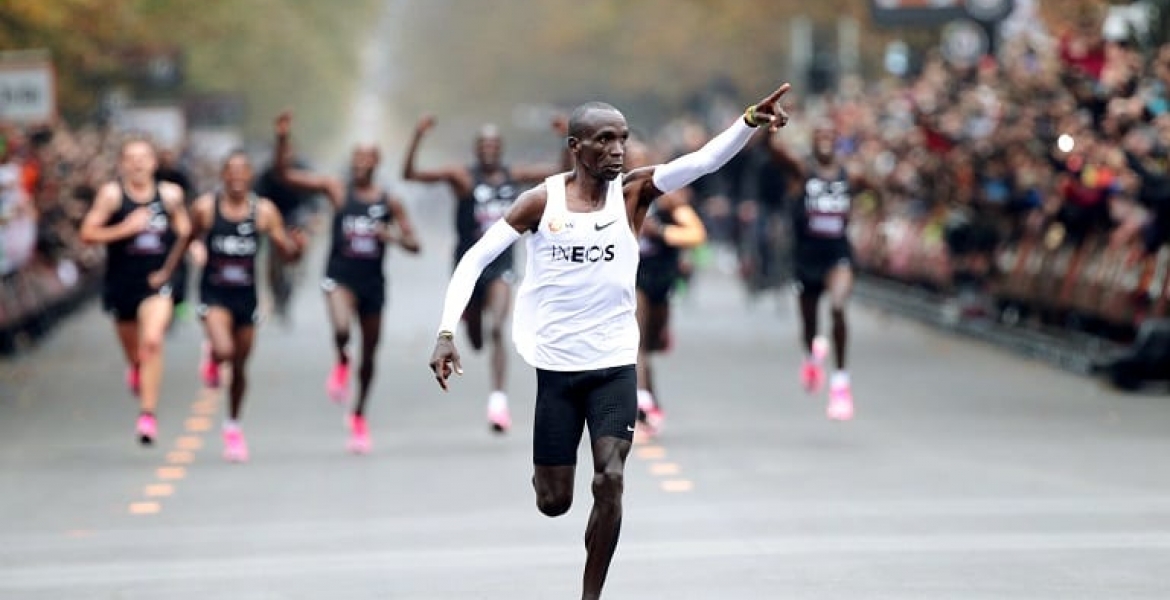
x: 1095, y: 286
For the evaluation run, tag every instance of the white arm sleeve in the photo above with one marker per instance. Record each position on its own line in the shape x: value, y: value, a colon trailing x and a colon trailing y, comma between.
x: 495, y: 240
x: 683, y: 170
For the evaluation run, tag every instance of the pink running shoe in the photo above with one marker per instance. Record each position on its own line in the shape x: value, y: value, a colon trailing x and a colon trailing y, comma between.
x: 650, y: 416
x: 147, y: 428
x: 655, y: 419
x: 235, y: 449
x: 499, y: 418
x: 134, y: 381
x: 812, y: 376
x: 840, y: 402
x: 208, y: 369
x: 337, y: 386
x: 359, y: 435
x: 812, y: 373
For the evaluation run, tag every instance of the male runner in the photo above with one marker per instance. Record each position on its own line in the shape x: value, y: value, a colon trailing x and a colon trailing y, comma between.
x: 366, y: 219
x: 145, y: 228
x: 575, y: 320
x: 823, y: 257
x: 671, y: 225
x: 483, y: 192
x: 230, y: 223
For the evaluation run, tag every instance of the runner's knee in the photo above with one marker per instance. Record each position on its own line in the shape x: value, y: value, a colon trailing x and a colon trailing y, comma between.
x: 608, y: 484
x: 223, y: 352
x: 553, y: 503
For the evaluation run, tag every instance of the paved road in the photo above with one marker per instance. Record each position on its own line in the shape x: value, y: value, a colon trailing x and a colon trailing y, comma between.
x: 967, y: 474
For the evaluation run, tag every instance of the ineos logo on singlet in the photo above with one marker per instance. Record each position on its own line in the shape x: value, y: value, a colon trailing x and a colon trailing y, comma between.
x: 158, y: 222
x: 233, y: 245
x: 361, y: 235
x: 828, y: 204
x: 359, y: 225
x: 582, y: 254
x: 492, y: 203
x: 149, y: 241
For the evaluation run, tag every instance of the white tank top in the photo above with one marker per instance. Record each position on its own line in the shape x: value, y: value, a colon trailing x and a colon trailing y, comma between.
x: 575, y: 308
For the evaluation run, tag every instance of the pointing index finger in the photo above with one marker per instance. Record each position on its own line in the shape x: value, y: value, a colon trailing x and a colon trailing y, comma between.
x: 776, y: 95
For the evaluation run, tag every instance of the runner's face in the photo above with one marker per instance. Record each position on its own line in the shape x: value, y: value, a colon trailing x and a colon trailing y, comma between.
x: 364, y: 163
x: 237, y: 176
x: 138, y: 162
x: 488, y: 150
x: 824, y: 141
x: 601, y: 152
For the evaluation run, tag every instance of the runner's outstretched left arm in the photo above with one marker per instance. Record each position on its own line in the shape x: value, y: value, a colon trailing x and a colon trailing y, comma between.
x: 646, y: 184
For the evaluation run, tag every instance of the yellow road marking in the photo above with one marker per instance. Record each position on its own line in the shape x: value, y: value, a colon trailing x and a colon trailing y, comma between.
x: 198, y: 424
x: 171, y: 473
x: 677, y: 485
x: 144, y: 508
x: 664, y: 468
x: 159, y: 490
x: 204, y: 409
x: 180, y: 457
x: 189, y: 443
x: 650, y: 452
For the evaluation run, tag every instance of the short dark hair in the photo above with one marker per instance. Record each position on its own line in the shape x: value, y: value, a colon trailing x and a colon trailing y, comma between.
x: 233, y: 153
x: 577, y: 122
x: 136, y: 138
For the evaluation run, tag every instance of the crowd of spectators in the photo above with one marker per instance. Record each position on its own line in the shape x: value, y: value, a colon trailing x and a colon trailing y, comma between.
x: 1062, y: 137
x: 47, y: 179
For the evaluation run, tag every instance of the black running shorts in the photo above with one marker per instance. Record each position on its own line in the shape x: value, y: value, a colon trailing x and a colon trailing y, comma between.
x: 370, y: 296
x: 241, y: 304
x: 657, y: 284
x: 814, y: 261
x: 122, y: 302
x: 604, y: 399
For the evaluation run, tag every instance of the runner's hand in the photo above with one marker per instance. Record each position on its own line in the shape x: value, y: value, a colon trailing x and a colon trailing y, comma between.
x: 769, y: 111
x: 560, y: 124
x: 386, y: 234
x: 198, y: 253
x: 445, y: 360
x: 284, y: 122
x: 136, y: 222
x: 425, y: 124
x: 299, y: 240
x: 158, y: 279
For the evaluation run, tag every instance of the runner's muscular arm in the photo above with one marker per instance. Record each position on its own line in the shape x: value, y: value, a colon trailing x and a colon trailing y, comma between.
x: 784, y: 158
x: 93, y: 227
x: 643, y: 186
x: 201, y: 214
x: 298, y: 178
x: 406, y: 237
x: 688, y: 230
x: 455, y: 176
x: 268, y: 220
x: 172, y: 197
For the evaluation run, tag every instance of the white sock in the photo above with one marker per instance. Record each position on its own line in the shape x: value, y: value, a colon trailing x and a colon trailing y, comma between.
x: 645, y: 400
x: 498, y: 401
x: 840, y: 379
x: 820, y: 349
x: 231, y: 425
